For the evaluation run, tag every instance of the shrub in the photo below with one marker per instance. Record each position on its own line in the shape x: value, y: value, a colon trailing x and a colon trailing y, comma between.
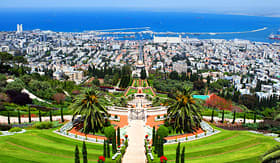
x: 109, y: 132
x: 162, y: 131
x: 15, y: 129
x: 116, y: 116
x: 1, y: 133
x: 5, y: 127
x: 43, y: 125
x: 158, y: 116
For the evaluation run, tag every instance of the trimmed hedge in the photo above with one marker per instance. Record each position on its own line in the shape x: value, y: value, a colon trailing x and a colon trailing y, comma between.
x: 15, y: 129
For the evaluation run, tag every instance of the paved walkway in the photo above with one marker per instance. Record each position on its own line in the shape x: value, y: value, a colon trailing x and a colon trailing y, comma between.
x: 4, y: 119
x: 135, y: 152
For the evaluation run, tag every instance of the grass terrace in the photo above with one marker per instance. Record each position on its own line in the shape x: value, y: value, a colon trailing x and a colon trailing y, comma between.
x: 131, y: 91
x: 226, y: 146
x: 44, y: 146
x: 148, y: 91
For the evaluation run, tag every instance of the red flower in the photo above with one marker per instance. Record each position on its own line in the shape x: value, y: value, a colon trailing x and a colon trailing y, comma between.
x: 122, y: 139
x: 119, y: 146
x: 102, y: 158
x: 148, y: 140
x: 126, y: 136
x: 163, y: 158
x: 146, y: 136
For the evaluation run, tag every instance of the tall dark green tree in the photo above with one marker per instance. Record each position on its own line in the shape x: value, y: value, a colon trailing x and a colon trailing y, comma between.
x: 223, y: 116
x: 119, y: 136
x: 244, y: 118
x: 108, y: 149
x: 153, y: 136
x: 104, y: 148
x: 174, y: 75
x: 61, y: 114
x: 29, y: 114
x: 183, y: 155
x: 40, y: 117
x: 178, y: 153
x: 143, y: 74
x: 85, y: 160
x: 156, y: 143
x: 77, y: 155
x: 19, y: 118
x: 234, y: 114
x: 9, y: 121
x: 114, y: 149
x: 51, y: 115
x: 212, y: 115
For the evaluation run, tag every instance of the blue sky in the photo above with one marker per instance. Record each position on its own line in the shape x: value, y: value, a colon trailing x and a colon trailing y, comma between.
x: 227, y: 6
x: 214, y: 4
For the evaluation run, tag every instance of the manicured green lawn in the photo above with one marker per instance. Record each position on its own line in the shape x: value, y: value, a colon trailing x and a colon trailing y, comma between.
x: 44, y: 146
x: 148, y: 91
x: 226, y: 146
x: 131, y: 91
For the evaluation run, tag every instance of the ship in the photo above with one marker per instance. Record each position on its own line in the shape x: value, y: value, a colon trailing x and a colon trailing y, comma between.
x: 275, y: 36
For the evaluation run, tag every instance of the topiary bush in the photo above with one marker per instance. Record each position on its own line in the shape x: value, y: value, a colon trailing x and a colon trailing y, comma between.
x: 162, y: 131
x: 5, y: 127
x: 109, y: 132
x: 15, y: 129
x: 43, y: 125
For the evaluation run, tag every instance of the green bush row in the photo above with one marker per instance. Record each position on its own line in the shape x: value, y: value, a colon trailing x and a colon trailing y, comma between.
x: 46, y: 125
x: 15, y: 129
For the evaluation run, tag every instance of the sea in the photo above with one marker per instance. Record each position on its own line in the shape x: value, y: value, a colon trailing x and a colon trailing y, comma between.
x: 79, y: 20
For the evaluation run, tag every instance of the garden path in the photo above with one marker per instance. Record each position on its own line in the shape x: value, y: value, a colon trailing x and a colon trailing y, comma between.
x: 135, y: 152
x: 4, y: 119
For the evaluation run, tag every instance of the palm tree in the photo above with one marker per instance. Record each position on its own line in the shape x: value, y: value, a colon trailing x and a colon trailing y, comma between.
x: 90, y: 106
x: 185, y: 113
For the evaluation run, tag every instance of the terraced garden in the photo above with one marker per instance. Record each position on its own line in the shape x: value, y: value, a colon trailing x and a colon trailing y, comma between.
x: 148, y: 91
x: 44, y: 146
x: 227, y: 146
x: 131, y: 91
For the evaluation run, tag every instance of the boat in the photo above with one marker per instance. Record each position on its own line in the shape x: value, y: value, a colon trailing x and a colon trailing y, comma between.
x: 275, y: 36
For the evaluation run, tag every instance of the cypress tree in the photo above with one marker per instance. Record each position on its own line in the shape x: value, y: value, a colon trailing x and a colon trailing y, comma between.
x: 51, y: 115
x: 77, y: 157
x: 212, y: 116
x: 84, y: 153
x: 9, y: 121
x: 40, y: 118
x: 104, y: 149
x: 29, y: 114
x: 255, y: 117
x: 178, y: 153
x: 156, y: 143
x: 161, y: 147
x: 19, y: 120
x: 183, y: 155
x: 61, y: 114
x: 223, y: 116
x: 153, y: 136
x: 244, y: 118
x: 114, y: 150
x: 108, y: 149
x: 119, y: 137
x: 234, y: 114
